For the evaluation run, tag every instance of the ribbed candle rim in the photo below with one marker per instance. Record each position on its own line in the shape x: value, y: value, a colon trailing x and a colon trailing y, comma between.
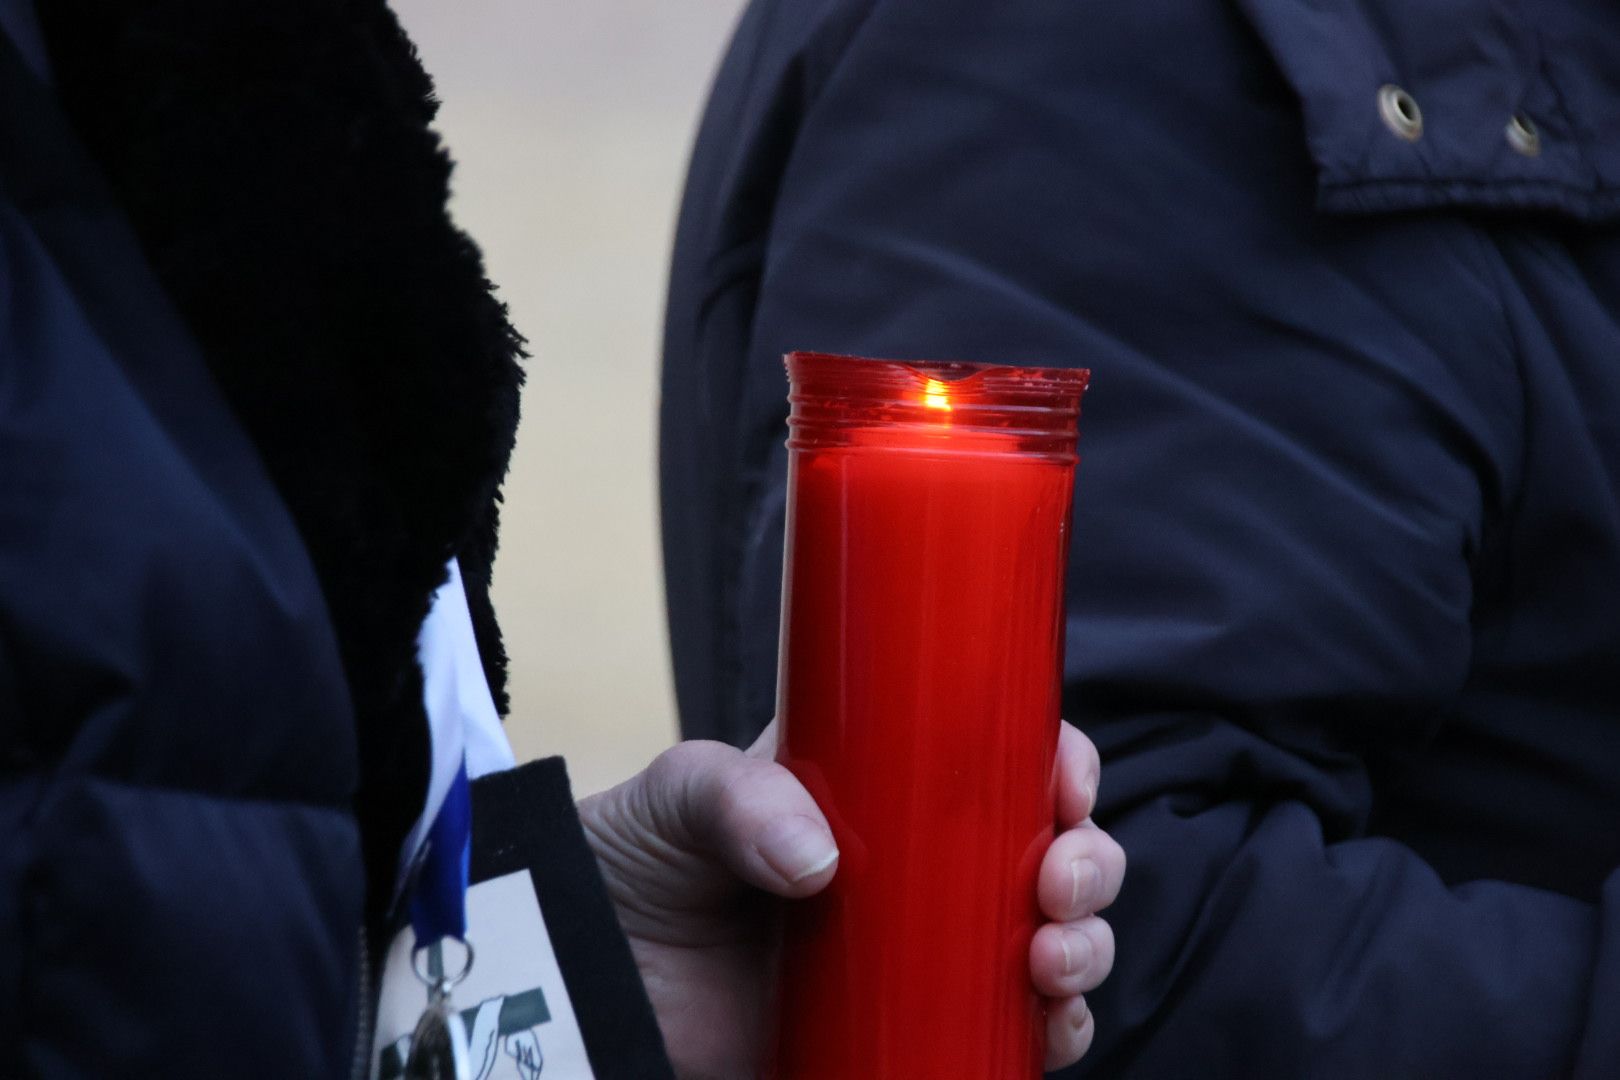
x: 833, y: 395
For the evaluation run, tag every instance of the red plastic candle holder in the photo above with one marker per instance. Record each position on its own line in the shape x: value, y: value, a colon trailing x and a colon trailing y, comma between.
x: 918, y: 693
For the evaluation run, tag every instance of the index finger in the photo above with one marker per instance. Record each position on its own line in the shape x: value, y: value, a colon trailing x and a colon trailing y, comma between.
x: 1078, y: 774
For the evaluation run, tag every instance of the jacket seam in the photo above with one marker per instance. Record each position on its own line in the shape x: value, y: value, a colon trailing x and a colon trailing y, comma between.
x: 1597, y: 190
x: 750, y: 489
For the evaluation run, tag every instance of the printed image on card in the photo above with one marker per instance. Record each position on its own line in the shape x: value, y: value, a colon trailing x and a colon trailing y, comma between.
x: 520, y: 1022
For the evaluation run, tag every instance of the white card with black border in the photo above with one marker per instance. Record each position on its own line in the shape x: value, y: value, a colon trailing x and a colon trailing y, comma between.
x: 519, y: 1019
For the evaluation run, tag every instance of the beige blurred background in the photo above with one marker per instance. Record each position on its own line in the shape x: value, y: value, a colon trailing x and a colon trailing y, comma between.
x: 570, y: 123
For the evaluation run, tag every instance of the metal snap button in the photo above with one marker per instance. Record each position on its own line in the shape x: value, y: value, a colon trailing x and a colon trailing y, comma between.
x: 1400, y: 112
x: 1523, y: 136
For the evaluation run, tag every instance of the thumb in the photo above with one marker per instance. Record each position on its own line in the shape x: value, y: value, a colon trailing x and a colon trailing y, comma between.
x: 748, y: 812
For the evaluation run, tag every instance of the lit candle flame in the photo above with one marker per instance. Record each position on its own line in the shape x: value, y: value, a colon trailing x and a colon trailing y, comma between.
x: 936, y: 395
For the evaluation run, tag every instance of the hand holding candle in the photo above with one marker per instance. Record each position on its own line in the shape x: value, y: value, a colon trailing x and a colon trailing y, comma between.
x: 696, y: 849
x: 927, y: 530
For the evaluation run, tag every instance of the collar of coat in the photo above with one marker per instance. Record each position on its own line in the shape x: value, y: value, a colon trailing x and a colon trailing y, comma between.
x: 277, y: 163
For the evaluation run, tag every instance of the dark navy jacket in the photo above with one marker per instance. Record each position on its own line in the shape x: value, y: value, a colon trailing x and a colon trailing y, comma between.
x: 1344, y: 612
x: 254, y: 393
x: 180, y: 877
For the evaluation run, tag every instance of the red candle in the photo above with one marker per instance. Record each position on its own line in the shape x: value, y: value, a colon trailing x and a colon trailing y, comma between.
x: 918, y: 693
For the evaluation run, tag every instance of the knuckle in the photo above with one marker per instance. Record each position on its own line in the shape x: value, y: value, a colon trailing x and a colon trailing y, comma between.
x: 731, y: 798
x: 686, y: 787
x: 676, y: 763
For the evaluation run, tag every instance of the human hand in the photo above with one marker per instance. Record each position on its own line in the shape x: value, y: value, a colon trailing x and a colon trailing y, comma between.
x: 699, y: 849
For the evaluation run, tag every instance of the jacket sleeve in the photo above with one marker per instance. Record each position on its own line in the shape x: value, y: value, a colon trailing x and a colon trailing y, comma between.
x: 1291, y: 477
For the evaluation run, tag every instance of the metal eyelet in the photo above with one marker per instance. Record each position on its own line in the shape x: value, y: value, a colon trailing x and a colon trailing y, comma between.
x: 1523, y: 135
x: 433, y: 972
x: 1400, y: 112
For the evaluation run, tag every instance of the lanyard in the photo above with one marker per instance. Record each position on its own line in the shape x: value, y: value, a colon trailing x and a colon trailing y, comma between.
x: 439, y: 911
x: 466, y: 735
x: 466, y: 742
x: 439, y: 902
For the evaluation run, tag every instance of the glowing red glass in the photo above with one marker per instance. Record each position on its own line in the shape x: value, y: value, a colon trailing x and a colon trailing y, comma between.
x: 922, y: 633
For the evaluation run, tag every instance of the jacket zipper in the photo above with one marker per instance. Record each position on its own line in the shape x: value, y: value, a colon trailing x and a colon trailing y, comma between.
x: 364, y: 1015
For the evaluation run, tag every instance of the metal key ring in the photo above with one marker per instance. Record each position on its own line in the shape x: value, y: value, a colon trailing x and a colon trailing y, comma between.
x: 444, y: 981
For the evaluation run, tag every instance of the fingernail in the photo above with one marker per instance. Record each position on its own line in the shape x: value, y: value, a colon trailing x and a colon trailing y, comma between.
x: 1091, y: 792
x: 1076, y: 952
x: 797, y: 847
x: 1085, y: 882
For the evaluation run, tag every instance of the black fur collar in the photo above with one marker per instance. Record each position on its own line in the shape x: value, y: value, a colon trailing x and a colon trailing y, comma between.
x: 277, y: 164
